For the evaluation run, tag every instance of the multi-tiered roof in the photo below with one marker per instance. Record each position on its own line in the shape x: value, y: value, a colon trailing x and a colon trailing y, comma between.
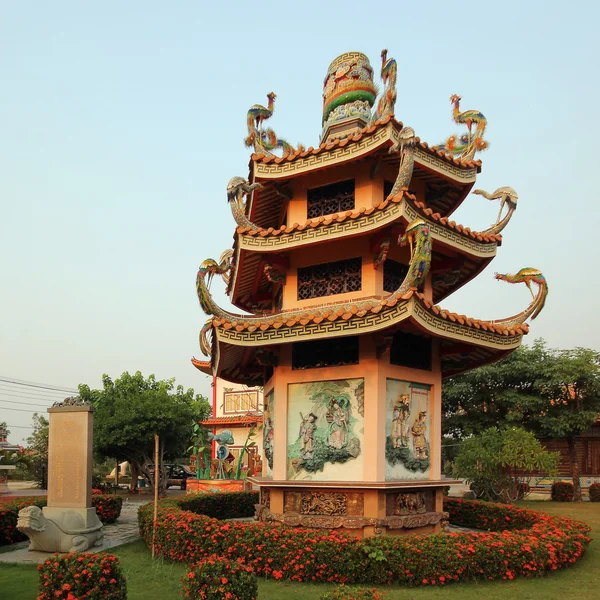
x: 398, y: 180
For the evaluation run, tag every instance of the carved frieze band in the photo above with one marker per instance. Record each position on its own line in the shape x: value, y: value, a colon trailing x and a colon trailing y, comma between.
x: 335, y: 522
x: 351, y: 151
x: 362, y: 225
x: 371, y: 322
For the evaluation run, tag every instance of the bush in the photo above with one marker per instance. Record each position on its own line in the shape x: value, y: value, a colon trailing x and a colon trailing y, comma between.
x: 224, y: 505
x: 562, y: 491
x: 75, y: 576
x: 218, y: 578
x: 108, y: 508
x: 343, y: 592
x: 595, y: 492
x: 491, y: 460
x: 516, y: 542
x: 9, y: 534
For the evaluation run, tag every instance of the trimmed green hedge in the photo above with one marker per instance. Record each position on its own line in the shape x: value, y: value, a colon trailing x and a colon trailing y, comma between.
x: 108, y: 509
x: 518, y: 542
x: 223, y: 505
x: 562, y: 491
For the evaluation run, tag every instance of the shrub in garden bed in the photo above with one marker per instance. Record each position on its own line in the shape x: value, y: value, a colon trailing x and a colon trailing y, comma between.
x: 516, y: 542
x: 225, y: 505
x: 74, y: 576
x: 9, y: 534
x: 108, y: 508
x: 594, y: 492
x: 343, y: 592
x: 562, y: 491
x: 218, y: 578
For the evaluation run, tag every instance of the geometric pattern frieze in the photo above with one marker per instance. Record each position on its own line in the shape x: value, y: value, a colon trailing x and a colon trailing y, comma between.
x: 362, y: 224
x: 370, y: 322
x: 368, y: 143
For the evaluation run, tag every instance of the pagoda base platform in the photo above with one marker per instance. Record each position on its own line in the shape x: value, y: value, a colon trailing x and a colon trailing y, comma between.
x: 362, y: 509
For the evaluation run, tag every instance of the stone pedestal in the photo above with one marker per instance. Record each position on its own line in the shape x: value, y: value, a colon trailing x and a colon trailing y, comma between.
x: 360, y: 509
x: 68, y: 522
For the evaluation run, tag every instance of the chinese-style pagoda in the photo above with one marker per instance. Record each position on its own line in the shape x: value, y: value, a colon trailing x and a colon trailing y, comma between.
x: 342, y: 254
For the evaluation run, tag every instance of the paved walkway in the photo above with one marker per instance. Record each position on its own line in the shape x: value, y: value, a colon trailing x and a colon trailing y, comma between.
x: 125, y: 530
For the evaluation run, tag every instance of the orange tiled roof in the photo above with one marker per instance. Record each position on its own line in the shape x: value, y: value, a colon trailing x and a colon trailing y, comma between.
x: 233, y: 420
x: 350, y: 310
x: 369, y: 130
x: 202, y: 365
x: 355, y: 214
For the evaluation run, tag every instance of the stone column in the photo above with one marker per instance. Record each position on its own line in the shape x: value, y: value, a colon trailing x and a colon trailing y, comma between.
x: 70, y: 438
x: 69, y: 523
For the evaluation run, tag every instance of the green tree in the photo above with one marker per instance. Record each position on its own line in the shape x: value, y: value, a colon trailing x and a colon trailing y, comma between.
x: 552, y: 393
x: 37, y: 451
x: 131, y: 410
x: 491, y: 460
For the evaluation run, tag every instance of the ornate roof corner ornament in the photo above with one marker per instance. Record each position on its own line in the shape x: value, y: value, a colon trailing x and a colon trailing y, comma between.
x: 465, y: 146
x: 406, y: 146
x: 418, y: 238
x: 274, y: 273
x: 206, y: 338
x: 508, y: 197
x: 527, y: 276
x: 265, y: 140
x: 71, y: 401
x: 237, y: 190
x: 387, y: 101
x: 381, y: 253
x: 208, y: 269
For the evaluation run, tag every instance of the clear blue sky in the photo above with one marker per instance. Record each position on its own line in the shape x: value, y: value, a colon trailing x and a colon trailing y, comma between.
x: 121, y: 123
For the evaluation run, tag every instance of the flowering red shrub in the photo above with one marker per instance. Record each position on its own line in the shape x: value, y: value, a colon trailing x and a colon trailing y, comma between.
x: 595, y: 492
x: 9, y: 534
x: 108, y: 508
x: 76, y: 576
x: 562, y: 491
x: 516, y: 542
x: 218, y: 578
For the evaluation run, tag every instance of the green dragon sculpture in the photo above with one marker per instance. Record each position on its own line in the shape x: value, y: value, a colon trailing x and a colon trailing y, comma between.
x: 508, y: 197
x: 461, y: 147
x: 527, y: 276
x: 389, y: 74
x: 406, y: 146
x: 416, y: 235
x: 237, y: 189
x: 263, y: 141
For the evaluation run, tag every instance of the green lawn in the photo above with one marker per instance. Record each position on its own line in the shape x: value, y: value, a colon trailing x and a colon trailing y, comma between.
x: 160, y: 580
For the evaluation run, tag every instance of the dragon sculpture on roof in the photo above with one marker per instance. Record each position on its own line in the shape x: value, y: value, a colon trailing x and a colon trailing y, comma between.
x: 508, y: 197
x: 527, y: 275
x: 263, y: 141
x: 406, y: 146
x: 387, y: 101
x: 237, y: 190
x: 417, y: 235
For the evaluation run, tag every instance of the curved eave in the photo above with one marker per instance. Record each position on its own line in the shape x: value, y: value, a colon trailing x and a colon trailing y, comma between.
x: 251, y: 247
x: 368, y: 220
x: 203, y: 366
x: 381, y: 134
x: 494, y: 340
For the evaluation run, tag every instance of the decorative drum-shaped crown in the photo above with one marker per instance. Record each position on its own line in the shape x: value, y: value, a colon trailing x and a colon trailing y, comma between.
x: 348, y: 89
